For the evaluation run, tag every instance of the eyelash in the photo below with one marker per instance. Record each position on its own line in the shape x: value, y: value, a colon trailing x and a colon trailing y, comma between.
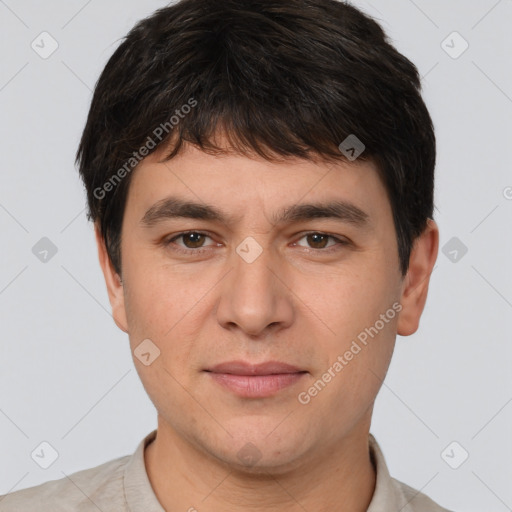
x: 201, y: 250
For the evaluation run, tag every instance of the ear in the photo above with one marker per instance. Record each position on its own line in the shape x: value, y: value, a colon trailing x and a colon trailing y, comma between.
x: 415, y: 285
x: 113, y: 281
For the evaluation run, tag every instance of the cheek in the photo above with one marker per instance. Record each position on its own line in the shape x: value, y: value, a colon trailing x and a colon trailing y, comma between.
x: 170, y: 309
x: 156, y: 297
x: 355, y: 354
x: 356, y: 322
x: 348, y: 302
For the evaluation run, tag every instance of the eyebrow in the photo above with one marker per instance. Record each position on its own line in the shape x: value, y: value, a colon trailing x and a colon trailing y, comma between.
x: 174, y: 207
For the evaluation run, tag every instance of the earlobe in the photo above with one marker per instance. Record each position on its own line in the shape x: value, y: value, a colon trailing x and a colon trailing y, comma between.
x: 113, y: 282
x: 415, y: 286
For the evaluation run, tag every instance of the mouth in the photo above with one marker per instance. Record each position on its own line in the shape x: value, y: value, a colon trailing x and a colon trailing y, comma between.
x: 255, y: 380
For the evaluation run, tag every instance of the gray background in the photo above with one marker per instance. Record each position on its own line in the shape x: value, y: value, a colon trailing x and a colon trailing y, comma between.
x: 66, y: 374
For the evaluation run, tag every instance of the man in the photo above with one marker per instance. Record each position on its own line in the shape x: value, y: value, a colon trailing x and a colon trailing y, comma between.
x: 260, y: 175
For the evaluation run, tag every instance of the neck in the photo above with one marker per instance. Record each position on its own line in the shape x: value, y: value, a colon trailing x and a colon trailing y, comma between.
x: 185, y: 478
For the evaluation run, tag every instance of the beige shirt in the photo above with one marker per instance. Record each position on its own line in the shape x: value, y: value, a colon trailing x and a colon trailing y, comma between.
x: 122, y: 485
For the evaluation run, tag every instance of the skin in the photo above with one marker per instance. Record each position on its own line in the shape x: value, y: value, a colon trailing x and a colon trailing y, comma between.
x: 294, y: 304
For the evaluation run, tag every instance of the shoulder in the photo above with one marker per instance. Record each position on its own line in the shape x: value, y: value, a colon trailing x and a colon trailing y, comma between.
x: 82, y: 491
x: 414, y: 500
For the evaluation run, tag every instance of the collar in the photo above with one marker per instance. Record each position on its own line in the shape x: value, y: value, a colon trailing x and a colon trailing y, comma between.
x: 138, y: 493
x: 386, y: 495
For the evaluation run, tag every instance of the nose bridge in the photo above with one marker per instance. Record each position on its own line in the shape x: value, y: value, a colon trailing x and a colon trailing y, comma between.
x: 252, y: 296
x: 251, y: 267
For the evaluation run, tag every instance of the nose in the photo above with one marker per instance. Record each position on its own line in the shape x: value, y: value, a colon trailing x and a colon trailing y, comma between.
x: 254, y: 296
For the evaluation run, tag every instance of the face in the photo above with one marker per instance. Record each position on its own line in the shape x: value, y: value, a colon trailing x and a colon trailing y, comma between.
x: 260, y: 277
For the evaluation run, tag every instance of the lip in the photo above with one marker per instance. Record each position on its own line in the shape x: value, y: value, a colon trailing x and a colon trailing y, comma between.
x: 244, y: 368
x: 255, y: 380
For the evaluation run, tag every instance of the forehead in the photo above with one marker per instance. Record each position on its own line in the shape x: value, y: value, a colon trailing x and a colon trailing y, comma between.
x: 238, y: 185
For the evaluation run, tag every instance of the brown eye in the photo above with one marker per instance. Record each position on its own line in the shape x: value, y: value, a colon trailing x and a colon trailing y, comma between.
x: 193, y: 240
x: 317, y: 240
x: 321, y: 241
x: 190, y: 241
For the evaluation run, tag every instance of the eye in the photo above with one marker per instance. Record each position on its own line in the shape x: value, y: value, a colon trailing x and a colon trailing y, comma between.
x: 320, y: 241
x: 193, y: 241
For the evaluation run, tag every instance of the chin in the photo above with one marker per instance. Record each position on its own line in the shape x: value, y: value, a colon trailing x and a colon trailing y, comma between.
x: 254, y: 451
